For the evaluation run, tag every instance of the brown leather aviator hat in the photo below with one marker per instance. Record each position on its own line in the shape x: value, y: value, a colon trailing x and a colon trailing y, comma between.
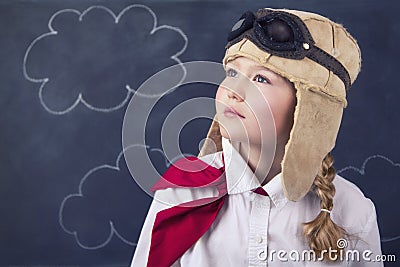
x: 322, y: 60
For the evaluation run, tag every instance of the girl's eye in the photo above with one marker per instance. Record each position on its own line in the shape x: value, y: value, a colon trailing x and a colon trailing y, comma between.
x: 231, y: 72
x: 262, y: 79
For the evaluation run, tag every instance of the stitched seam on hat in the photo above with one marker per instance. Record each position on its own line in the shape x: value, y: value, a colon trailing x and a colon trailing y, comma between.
x: 327, y: 81
x: 316, y: 19
x: 307, y: 15
x: 331, y: 97
x: 266, y: 59
x: 317, y: 89
x: 244, y: 40
x: 356, y: 45
x: 333, y: 45
x: 334, y: 24
x: 291, y: 134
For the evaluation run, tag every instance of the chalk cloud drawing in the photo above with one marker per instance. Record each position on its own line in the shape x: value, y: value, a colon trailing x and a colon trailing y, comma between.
x: 383, y: 180
x: 107, y: 193
x: 96, y: 52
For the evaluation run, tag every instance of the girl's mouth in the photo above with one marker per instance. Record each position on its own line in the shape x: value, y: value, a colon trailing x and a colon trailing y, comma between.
x: 231, y: 113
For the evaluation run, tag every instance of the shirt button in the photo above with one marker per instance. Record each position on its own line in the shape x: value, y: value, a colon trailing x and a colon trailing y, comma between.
x: 259, y: 239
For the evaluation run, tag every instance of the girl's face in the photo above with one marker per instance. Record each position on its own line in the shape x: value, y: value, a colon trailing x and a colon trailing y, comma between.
x: 253, y: 102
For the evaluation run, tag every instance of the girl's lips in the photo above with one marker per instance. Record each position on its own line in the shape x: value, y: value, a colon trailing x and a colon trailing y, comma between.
x: 231, y: 112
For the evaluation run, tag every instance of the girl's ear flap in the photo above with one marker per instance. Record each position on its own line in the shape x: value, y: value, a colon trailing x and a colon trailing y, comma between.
x: 213, y: 143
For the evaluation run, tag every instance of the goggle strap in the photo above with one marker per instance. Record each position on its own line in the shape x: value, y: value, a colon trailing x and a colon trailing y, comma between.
x: 324, y: 59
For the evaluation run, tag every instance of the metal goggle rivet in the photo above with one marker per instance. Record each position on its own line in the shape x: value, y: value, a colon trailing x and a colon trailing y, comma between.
x: 306, y: 46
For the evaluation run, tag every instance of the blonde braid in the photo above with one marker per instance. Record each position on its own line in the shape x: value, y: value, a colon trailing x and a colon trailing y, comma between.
x: 322, y: 233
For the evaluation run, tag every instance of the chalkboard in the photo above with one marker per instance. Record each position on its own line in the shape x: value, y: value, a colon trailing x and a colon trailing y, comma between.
x: 68, y: 71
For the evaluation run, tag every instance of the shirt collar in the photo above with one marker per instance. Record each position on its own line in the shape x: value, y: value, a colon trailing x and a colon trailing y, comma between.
x: 240, y: 178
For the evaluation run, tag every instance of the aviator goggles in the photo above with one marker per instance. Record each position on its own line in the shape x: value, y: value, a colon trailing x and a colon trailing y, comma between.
x: 285, y: 35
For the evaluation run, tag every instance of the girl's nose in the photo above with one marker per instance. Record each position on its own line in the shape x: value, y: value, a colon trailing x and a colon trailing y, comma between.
x: 236, y: 90
x: 233, y: 95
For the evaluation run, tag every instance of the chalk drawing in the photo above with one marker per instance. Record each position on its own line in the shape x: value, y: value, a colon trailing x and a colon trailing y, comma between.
x: 80, y: 98
x: 113, y: 230
x: 92, y: 173
x: 362, y: 169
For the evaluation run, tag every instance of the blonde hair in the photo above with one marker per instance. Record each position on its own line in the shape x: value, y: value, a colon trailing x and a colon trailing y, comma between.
x: 323, y: 233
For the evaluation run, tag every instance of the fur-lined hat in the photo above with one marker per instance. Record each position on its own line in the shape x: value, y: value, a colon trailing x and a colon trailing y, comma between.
x: 322, y: 60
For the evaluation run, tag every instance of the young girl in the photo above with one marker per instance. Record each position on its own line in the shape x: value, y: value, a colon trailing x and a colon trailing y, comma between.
x: 287, y: 73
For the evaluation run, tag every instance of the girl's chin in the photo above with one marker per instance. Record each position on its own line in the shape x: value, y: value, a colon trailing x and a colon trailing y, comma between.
x: 233, y: 135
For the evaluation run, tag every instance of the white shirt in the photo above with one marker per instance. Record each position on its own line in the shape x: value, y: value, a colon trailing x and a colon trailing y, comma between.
x: 250, y: 226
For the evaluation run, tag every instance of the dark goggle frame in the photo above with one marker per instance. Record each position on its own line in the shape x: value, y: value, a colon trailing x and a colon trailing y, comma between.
x: 285, y: 35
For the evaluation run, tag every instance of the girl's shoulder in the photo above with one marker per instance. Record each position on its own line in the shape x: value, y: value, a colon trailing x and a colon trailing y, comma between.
x: 348, y: 191
x: 180, y: 194
x: 350, y: 205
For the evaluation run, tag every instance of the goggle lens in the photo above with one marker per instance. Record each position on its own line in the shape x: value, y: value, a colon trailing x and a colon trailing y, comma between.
x: 277, y: 30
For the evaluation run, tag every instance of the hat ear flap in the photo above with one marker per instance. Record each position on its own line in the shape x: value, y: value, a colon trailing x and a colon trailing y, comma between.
x: 315, y: 127
x: 213, y: 143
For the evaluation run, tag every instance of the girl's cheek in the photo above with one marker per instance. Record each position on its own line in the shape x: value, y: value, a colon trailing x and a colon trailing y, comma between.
x: 223, y: 88
x: 219, y: 93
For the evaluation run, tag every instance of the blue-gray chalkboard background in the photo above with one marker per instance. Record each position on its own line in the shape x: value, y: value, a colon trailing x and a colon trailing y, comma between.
x: 64, y: 71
